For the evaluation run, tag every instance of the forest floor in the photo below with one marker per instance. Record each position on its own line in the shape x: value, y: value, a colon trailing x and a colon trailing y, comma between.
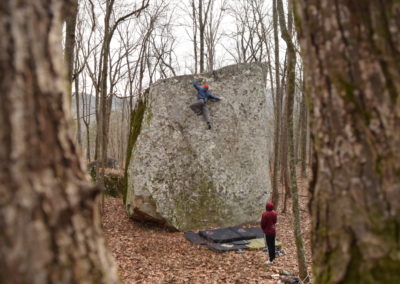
x: 149, y: 254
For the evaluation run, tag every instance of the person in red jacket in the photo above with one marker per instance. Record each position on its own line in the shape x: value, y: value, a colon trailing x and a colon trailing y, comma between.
x: 268, y: 222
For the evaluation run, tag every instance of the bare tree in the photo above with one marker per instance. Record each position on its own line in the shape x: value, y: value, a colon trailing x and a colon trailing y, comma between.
x: 69, y: 52
x: 109, y: 29
x: 50, y: 228
x: 303, y: 130
x: 86, y: 115
x: 290, y: 90
x: 212, y: 34
x: 252, y: 30
x: 278, y: 109
x: 82, y: 53
x: 199, y: 13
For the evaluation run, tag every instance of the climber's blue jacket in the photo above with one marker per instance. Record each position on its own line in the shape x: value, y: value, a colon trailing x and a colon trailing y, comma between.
x: 203, y: 93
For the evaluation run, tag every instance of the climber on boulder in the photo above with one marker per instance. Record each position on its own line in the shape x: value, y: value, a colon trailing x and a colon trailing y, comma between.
x: 200, y: 106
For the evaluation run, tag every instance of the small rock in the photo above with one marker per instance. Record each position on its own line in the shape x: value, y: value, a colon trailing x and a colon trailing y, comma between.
x: 291, y: 280
x: 285, y: 272
x: 275, y: 276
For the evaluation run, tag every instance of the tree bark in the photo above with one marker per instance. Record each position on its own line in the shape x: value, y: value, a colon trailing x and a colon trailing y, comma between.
x: 86, y: 114
x: 352, y: 54
x: 78, y: 112
x: 70, y: 26
x: 50, y: 230
x: 102, y: 121
x: 196, y: 59
x: 290, y: 90
x: 202, y: 26
x: 283, y: 153
x: 278, y: 112
x: 303, y: 127
x: 284, y: 176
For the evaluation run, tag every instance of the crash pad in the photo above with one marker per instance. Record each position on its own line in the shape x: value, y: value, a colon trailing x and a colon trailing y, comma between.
x: 195, y: 238
x: 256, y: 244
x: 222, y: 235
x: 241, y: 242
x: 224, y: 247
x: 248, y: 233
x: 225, y: 239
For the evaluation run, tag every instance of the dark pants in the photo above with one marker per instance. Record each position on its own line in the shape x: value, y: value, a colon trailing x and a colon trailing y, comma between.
x: 270, y: 241
x: 200, y: 107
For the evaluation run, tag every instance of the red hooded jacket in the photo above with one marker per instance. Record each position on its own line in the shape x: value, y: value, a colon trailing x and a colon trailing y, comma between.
x: 268, y: 219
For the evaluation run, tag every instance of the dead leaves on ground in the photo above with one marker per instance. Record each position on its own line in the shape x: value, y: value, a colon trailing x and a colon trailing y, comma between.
x: 148, y: 254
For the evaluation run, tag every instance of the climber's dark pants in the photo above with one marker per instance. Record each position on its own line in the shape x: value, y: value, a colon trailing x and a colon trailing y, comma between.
x: 200, y: 107
x: 270, y: 243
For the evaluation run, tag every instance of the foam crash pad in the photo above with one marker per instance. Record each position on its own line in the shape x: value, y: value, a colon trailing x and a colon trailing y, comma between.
x: 256, y: 244
x: 223, y: 235
x: 195, y: 238
x: 228, y: 239
x: 241, y: 242
x: 248, y: 233
x: 259, y: 243
x: 224, y: 247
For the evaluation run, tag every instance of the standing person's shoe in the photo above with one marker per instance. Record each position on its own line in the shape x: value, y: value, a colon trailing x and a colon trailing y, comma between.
x: 209, y: 125
x: 268, y: 262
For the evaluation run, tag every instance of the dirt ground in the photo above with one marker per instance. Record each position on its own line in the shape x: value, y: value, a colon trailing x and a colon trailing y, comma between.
x: 148, y: 254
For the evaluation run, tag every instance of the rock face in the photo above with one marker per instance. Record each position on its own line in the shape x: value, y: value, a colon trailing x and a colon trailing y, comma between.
x: 188, y: 177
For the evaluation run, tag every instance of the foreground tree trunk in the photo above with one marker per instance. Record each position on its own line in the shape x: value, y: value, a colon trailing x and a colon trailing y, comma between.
x: 50, y: 231
x: 352, y: 54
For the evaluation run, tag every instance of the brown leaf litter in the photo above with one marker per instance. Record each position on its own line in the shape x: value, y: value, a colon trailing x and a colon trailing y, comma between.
x: 149, y: 254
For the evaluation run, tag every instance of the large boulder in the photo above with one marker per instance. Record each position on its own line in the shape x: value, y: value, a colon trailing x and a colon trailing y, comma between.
x: 187, y: 177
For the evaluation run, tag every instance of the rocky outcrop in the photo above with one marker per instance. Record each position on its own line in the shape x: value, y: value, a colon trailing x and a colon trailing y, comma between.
x: 188, y: 177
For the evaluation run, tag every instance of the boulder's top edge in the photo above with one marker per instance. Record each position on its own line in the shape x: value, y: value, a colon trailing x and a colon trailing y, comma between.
x: 222, y: 70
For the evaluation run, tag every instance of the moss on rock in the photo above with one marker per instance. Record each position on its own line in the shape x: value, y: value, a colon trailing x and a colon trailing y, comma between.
x: 113, y: 181
x: 200, y: 206
x: 135, y: 127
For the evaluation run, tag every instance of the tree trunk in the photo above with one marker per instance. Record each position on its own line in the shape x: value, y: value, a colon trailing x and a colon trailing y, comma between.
x: 283, y: 153
x: 196, y: 59
x: 352, y: 55
x: 102, y: 121
x: 70, y: 25
x: 298, y: 115
x: 290, y: 90
x: 78, y: 112
x: 284, y: 176
x: 87, y: 142
x: 278, y: 112
x: 86, y: 117
x: 303, y: 138
x: 202, y: 26
x: 50, y: 230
